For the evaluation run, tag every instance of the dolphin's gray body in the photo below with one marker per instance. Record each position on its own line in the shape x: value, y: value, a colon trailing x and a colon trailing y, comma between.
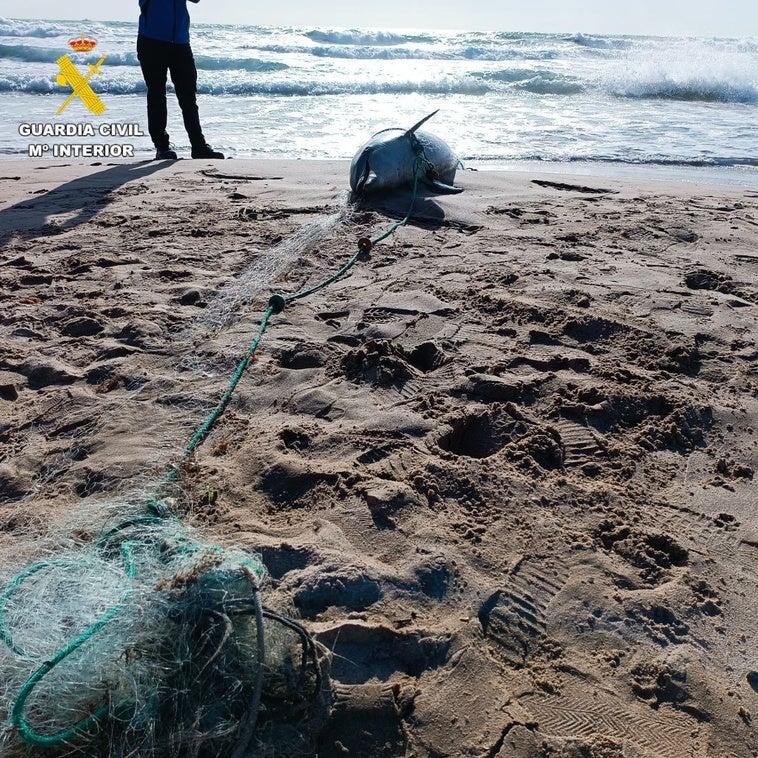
x: 389, y: 161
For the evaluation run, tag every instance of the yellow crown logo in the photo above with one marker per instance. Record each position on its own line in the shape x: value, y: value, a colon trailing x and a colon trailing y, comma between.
x: 82, y: 44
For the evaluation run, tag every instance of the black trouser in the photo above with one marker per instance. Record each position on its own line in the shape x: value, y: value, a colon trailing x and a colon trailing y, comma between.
x: 156, y: 59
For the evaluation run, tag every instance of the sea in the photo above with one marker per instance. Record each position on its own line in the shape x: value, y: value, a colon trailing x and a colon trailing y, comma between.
x: 504, y: 99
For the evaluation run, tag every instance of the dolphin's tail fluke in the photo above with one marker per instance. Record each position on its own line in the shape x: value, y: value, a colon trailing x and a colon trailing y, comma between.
x: 360, y: 172
x: 423, y: 121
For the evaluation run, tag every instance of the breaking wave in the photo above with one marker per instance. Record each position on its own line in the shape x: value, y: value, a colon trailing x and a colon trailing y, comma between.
x: 360, y: 37
x: 18, y: 28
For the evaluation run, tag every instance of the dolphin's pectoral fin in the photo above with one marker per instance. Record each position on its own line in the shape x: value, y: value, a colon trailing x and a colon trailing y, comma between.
x: 432, y: 179
x: 442, y: 188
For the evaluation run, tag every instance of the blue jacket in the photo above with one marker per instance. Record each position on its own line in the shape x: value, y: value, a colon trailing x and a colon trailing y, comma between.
x: 166, y: 20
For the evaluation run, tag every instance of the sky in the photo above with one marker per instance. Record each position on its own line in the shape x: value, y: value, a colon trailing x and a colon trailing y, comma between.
x: 727, y: 18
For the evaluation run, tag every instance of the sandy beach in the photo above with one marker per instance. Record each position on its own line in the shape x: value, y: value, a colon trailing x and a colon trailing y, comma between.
x: 502, y: 471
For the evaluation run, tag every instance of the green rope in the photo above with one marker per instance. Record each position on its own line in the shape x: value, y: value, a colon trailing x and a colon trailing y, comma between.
x: 92, y: 721
x: 205, y: 428
x: 396, y: 226
x: 103, y: 539
x: 326, y: 282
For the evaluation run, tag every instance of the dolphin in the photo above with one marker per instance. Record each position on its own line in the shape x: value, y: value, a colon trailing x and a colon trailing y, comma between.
x: 390, y: 161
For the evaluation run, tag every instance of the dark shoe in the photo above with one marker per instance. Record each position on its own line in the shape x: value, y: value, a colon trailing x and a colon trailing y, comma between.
x: 165, y: 154
x: 206, y: 151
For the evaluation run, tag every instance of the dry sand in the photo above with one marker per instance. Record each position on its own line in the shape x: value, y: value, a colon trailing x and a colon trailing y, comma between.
x: 503, y: 470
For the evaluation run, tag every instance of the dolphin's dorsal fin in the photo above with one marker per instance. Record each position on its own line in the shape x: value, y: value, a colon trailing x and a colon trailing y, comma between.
x: 423, y: 121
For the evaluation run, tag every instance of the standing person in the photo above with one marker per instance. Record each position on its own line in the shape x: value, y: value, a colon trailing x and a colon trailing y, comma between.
x: 163, y: 46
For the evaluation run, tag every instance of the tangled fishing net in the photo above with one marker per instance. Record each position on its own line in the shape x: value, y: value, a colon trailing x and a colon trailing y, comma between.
x: 134, y: 637
x: 146, y: 641
x: 227, y: 306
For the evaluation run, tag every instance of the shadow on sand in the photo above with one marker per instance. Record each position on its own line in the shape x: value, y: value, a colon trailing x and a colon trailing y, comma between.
x: 79, y: 199
x: 428, y: 209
